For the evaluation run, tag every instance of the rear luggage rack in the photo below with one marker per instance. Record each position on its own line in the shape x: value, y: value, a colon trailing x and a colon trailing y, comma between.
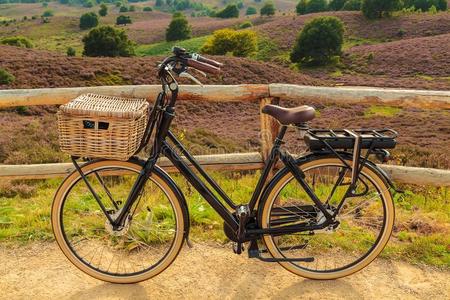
x: 319, y: 139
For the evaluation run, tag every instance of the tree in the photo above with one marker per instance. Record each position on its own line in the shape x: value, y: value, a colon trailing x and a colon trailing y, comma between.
x: 251, y: 11
x: 48, y: 13
x: 425, y: 5
x: 159, y: 3
x: 320, y: 40
x: 71, y: 52
x: 231, y: 11
x: 375, y: 9
x: 178, y: 29
x: 336, y: 4
x: 88, y: 4
x: 103, y: 11
x: 147, y: 8
x: 301, y: 7
x: 107, y: 41
x: 268, y: 9
x: 239, y: 43
x: 123, y: 20
x: 316, y: 6
x: 88, y: 20
x: 352, y: 5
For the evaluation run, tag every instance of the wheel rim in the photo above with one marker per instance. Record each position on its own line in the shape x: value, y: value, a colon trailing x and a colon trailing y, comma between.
x: 147, y: 244
x: 346, y: 245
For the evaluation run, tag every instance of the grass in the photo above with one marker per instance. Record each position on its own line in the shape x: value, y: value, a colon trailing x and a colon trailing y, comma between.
x: 381, y: 111
x: 421, y: 233
x: 425, y: 77
x: 353, y: 41
x: 162, y: 48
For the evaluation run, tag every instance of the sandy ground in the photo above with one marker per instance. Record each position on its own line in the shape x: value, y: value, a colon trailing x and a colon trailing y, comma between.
x: 40, y: 271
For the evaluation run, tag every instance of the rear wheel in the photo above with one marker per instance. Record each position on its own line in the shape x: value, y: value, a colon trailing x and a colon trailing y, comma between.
x: 150, y: 239
x: 366, y: 220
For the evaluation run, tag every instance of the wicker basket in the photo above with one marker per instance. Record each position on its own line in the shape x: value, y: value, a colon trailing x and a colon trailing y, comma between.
x: 101, y: 126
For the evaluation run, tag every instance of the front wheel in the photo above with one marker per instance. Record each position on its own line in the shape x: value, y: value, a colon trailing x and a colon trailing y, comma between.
x: 365, y: 220
x: 146, y: 244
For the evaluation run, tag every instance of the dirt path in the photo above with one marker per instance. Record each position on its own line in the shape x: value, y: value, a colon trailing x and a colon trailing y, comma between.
x: 41, y: 271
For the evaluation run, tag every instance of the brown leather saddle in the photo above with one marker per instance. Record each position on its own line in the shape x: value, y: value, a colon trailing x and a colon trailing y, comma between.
x: 290, y: 116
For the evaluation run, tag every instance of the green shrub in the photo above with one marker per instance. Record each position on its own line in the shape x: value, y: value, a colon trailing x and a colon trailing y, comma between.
x: 425, y: 5
x: 48, y: 13
x: 17, y: 41
x: 230, y: 11
x: 238, y: 43
x: 268, y: 9
x: 88, y: 20
x: 107, y: 41
x: 251, y: 11
x: 316, y: 6
x: 119, y: 4
x: 6, y: 77
x: 123, y: 8
x: 336, y: 4
x: 147, y: 8
x: 179, y: 28
x: 301, y: 7
x: 320, y: 40
x: 375, y: 9
x: 311, y: 6
x: 123, y: 20
x: 132, y: 8
x: 88, y: 4
x: 103, y: 11
x: 246, y: 24
x: 352, y: 5
x: 71, y: 52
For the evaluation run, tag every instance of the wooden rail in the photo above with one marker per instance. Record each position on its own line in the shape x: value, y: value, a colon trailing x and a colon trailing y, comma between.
x: 265, y: 94
x: 400, y: 97
x: 227, y: 162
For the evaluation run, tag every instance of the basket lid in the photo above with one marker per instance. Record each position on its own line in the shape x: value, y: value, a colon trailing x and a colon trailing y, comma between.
x: 105, y: 106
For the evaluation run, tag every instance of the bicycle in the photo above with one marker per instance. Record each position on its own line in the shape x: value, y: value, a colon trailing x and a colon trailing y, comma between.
x: 324, y: 215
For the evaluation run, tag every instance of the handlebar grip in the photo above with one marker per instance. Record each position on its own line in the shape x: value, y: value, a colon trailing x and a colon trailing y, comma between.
x: 207, y: 68
x: 209, y: 61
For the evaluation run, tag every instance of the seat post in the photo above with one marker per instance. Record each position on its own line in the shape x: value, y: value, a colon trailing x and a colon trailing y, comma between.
x: 279, y: 139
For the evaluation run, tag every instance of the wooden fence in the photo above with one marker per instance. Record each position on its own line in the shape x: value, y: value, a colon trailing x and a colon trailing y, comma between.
x: 271, y: 93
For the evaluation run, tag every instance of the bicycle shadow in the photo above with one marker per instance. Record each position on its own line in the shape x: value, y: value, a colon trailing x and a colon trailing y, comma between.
x: 307, y: 288
x: 300, y: 288
x: 115, y: 291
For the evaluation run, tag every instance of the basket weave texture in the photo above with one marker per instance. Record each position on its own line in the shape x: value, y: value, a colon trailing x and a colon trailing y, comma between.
x: 102, y: 126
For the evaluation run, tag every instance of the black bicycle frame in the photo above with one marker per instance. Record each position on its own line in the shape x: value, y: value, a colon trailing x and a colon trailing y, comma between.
x: 164, y: 114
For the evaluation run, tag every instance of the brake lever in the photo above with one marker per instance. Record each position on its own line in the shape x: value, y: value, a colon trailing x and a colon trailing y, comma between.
x: 201, y: 72
x: 189, y: 76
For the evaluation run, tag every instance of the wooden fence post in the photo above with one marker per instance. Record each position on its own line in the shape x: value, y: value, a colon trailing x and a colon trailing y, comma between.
x: 269, y: 128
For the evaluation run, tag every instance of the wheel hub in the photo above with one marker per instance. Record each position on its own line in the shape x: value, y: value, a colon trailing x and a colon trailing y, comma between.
x: 320, y: 219
x: 121, y: 230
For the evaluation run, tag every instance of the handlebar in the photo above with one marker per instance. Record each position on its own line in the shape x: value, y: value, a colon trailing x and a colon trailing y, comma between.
x: 207, y: 61
x: 195, y: 61
x: 202, y: 66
